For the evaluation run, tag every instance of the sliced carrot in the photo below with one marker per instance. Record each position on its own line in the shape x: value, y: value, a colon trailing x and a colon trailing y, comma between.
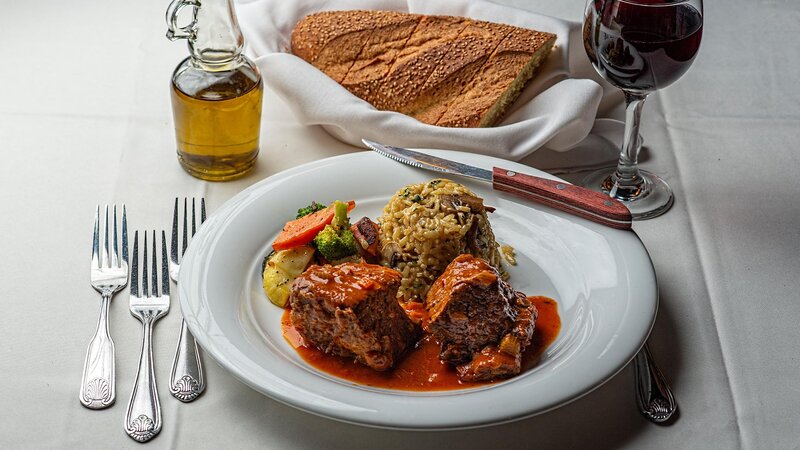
x: 303, y: 230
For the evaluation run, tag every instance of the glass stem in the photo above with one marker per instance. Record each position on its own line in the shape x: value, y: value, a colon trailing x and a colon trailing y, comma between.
x: 626, y: 182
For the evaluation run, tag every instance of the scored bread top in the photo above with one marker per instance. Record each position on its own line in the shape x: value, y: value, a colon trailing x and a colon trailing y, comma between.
x: 333, y: 40
x: 490, y: 84
x: 442, y: 70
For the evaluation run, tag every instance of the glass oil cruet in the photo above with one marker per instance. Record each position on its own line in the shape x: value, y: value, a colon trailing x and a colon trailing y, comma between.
x: 216, y: 93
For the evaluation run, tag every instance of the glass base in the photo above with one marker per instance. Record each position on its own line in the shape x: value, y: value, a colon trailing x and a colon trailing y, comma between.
x: 651, y: 199
x: 218, y: 168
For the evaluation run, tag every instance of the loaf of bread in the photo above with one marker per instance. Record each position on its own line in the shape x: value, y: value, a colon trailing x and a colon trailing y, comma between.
x: 441, y: 70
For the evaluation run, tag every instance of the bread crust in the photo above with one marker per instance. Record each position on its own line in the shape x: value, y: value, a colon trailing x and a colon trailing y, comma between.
x: 442, y: 70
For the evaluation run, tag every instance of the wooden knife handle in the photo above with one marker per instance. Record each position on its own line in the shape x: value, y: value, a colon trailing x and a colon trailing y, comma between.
x: 591, y: 205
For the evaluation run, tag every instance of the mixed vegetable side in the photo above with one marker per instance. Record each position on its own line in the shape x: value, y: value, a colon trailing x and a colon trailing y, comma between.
x: 321, y: 235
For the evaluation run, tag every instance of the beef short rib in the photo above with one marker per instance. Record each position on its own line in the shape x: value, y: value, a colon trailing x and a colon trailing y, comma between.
x: 482, y: 324
x: 351, y: 310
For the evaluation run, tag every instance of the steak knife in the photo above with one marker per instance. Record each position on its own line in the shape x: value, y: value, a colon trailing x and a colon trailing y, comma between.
x: 591, y: 205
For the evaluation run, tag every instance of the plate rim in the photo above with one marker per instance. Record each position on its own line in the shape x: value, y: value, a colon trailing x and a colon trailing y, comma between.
x: 218, y: 353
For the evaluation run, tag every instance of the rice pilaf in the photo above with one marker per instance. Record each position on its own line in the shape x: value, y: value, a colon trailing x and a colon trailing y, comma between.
x: 425, y: 226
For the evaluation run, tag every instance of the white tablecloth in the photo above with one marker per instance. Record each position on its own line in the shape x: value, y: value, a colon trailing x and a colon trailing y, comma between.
x: 85, y: 119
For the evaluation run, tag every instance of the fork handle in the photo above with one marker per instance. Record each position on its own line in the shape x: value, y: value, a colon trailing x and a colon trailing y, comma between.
x: 143, y: 418
x: 653, y: 393
x: 97, y: 382
x: 186, y: 380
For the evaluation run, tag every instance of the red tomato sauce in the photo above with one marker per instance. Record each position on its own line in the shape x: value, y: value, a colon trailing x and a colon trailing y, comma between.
x: 421, y: 369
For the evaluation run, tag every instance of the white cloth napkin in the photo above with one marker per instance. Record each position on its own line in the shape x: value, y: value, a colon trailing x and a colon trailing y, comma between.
x: 556, y: 110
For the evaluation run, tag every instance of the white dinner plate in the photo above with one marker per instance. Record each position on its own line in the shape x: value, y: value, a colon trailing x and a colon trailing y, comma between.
x: 602, y: 279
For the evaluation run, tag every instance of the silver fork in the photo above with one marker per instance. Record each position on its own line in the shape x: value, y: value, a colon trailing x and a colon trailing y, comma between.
x: 186, y: 381
x: 653, y: 394
x: 108, y: 275
x: 143, y: 418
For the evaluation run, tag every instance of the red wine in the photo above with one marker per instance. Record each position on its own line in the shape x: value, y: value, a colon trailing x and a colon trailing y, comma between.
x: 642, y: 47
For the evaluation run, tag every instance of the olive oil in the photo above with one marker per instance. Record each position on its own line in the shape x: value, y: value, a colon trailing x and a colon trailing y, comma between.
x: 216, y: 93
x: 217, y: 120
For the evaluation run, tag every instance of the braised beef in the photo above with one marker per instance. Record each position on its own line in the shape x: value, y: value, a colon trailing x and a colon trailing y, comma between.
x: 351, y: 310
x: 481, y: 323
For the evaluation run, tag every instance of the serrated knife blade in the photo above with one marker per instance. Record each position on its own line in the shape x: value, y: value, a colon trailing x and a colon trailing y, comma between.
x: 591, y: 205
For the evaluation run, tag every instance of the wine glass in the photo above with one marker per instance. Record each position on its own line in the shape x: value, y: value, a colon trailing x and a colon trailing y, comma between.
x: 639, y: 46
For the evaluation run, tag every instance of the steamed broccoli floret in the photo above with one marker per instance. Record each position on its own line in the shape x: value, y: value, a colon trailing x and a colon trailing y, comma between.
x: 310, y: 209
x: 336, y: 241
x: 340, y: 219
x: 336, y: 244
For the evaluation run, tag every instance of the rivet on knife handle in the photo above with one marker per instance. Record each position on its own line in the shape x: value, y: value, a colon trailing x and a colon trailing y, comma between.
x: 591, y: 205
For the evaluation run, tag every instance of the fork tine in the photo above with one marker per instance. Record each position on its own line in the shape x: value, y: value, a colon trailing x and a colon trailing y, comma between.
x: 164, y: 265
x: 105, y: 242
x: 115, y: 243
x: 154, y: 280
x: 173, y: 251
x: 96, y: 239
x: 124, y: 234
x: 202, y: 210
x: 185, y: 234
x: 145, y: 278
x: 134, y: 263
x: 194, y: 225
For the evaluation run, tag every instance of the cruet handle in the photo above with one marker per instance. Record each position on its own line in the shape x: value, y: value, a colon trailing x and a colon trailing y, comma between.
x: 174, y: 32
